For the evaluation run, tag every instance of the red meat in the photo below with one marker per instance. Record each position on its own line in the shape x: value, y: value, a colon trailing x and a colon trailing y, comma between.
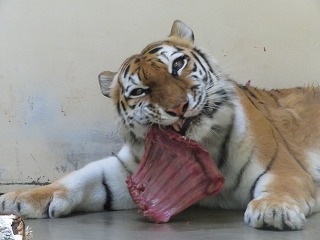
x: 175, y: 172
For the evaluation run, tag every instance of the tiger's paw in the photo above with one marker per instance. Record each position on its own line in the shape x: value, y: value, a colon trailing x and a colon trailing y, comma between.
x: 41, y: 202
x: 274, y: 214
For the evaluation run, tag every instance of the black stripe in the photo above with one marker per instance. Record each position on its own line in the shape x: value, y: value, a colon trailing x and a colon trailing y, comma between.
x: 254, y: 185
x: 251, y: 93
x: 139, y: 75
x: 134, y: 139
x: 194, y: 87
x: 108, y: 204
x: 194, y: 69
x: 253, y: 103
x: 137, y: 160
x: 224, y: 154
x: 151, y: 46
x: 123, y: 164
x: 133, y: 81
x: 243, y: 87
x: 154, y: 65
x: 261, y: 102
x: 215, y: 106
x: 206, y: 106
x: 126, y: 71
x: 207, y: 62
x: 160, y: 61
x: 198, y: 60
x: 179, y: 49
x: 137, y: 60
x: 46, y: 212
x: 132, y: 106
x: 155, y: 50
x: 204, y: 58
x: 173, y: 53
x: 137, y: 69
x: 123, y: 107
x: 19, y: 207
x: 261, y: 106
x: 269, y: 93
x: 144, y: 73
x: 211, y: 82
x: 242, y: 170
x: 122, y: 116
x: 164, y: 55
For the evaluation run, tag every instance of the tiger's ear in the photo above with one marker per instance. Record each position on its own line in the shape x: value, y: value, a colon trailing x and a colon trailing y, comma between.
x: 105, y: 80
x: 181, y: 30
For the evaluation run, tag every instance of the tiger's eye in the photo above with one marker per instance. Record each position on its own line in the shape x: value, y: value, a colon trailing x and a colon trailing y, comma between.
x: 137, y: 92
x: 178, y: 64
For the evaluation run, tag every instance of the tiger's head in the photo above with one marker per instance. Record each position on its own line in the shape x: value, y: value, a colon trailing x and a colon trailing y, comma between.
x: 170, y: 83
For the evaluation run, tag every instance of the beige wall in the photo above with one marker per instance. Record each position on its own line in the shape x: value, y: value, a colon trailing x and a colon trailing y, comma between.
x: 53, y: 118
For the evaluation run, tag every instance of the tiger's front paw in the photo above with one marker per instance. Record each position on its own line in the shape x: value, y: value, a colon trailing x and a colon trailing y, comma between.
x: 41, y: 202
x: 274, y: 213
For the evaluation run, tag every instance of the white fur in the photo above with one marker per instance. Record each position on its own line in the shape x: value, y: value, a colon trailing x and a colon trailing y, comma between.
x: 314, y: 167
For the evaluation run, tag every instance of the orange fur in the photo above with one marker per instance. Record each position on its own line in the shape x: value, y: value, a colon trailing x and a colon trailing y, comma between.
x: 288, y: 121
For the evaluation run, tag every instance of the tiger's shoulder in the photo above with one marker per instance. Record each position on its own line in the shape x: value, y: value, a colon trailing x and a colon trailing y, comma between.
x: 292, y: 116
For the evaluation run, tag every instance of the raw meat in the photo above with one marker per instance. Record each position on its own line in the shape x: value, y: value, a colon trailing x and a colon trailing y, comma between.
x: 175, y: 172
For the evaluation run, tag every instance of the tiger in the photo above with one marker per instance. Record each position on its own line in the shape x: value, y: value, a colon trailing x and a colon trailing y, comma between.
x: 266, y: 143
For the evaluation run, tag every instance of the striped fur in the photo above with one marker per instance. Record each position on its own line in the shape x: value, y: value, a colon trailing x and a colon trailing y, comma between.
x: 265, y: 142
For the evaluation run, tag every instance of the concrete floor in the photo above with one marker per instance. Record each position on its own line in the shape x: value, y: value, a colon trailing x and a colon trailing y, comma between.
x: 195, y: 223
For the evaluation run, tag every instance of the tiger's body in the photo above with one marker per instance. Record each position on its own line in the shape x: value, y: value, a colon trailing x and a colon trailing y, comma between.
x: 266, y: 143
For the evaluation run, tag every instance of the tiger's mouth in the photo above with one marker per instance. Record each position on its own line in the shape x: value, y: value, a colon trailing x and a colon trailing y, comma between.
x: 181, y: 126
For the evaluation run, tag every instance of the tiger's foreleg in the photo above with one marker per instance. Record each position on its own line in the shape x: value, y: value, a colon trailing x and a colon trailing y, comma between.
x: 282, y: 200
x: 98, y: 186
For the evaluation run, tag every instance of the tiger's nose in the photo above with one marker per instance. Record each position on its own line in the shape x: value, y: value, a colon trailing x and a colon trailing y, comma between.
x: 178, y: 109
